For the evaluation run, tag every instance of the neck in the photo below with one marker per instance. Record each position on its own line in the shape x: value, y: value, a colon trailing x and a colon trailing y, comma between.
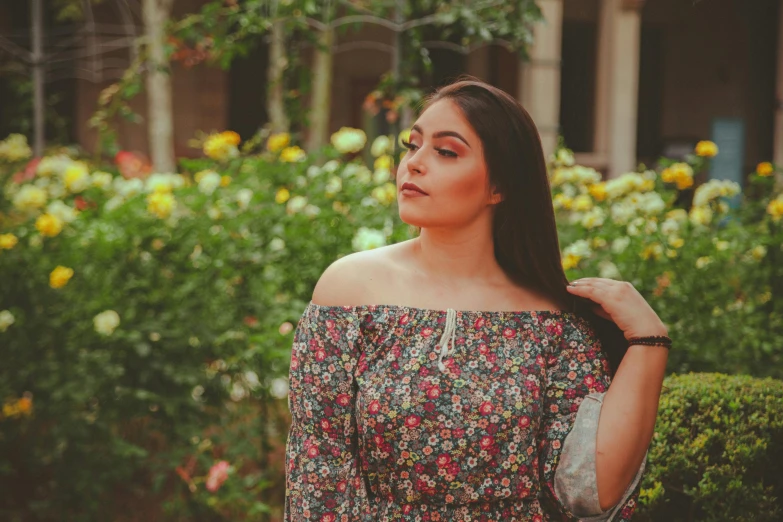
x: 449, y: 255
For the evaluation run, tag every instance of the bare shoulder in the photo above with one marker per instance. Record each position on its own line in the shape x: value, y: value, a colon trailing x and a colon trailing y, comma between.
x: 356, y: 278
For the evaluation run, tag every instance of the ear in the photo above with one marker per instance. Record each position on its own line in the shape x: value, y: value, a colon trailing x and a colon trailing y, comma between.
x: 496, y: 197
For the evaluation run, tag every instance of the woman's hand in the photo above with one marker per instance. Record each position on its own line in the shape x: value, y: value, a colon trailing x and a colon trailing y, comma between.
x: 621, y: 303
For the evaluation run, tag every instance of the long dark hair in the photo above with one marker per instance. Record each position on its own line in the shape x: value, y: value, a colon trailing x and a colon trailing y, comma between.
x: 524, y: 228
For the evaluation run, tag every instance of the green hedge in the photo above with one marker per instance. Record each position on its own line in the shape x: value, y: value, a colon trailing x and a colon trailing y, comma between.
x: 717, y: 451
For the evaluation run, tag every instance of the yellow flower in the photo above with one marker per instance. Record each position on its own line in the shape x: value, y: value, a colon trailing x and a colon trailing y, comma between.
x: 570, y: 261
x: 701, y: 216
x: 562, y: 201
x: 278, y: 141
x: 582, y: 203
x: 77, y: 177
x: 706, y: 149
x: 161, y: 204
x: 292, y: 154
x: 775, y: 208
x: 60, y: 276
x: 676, y: 242
x: 653, y: 251
x: 383, y: 163
x: 679, y: 173
x: 385, y: 194
x: 225, y: 180
x: 703, y: 261
x: 282, y: 196
x: 598, y: 191
x: 49, y: 225
x: 671, y: 253
x: 758, y: 252
x: 222, y: 146
x: 18, y: 408
x: 8, y: 241
x: 765, y: 169
x: 15, y: 148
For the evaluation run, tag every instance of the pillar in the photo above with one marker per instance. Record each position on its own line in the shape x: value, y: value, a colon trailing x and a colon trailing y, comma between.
x: 539, y: 81
x: 778, y: 136
x: 617, y: 89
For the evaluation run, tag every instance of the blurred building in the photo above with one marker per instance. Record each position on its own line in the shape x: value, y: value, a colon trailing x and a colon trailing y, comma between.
x: 622, y: 81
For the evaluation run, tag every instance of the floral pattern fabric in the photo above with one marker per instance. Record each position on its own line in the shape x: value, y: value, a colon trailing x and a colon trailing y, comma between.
x: 380, y: 432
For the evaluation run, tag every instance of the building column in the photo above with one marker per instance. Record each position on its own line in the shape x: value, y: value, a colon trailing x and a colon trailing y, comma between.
x: 777, y: 146
x: 617, y: 89
x: 539, y: 78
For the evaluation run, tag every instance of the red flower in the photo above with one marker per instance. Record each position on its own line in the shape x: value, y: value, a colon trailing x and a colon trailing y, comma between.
x: 412, y: 421
x: 509, y: 333
x: 374, y: 407
x: 312, y: 452
x: 217, y: 475
x: 344, y: 399
x: 487, y: 441
x: 433, y: 393
x: 132, y: 164
x: 250, y: 321
x: 443, y: 460
x: 486, y: 408
x: 28, y: 172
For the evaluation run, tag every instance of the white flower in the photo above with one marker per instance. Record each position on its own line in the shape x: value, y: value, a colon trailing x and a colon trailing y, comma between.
x: 279, y: 388
x: 214, y: 213
x: 620, y: 244
x: 333, y: 186
x: 296, y: 204
x: 6, y: 320
x: 331, y: 166
x: 276, y: 244
x: 670, y: 227
x: 565, y: 157
x: 381, y: 176
x: 311, y: 210
x: 651, y: 203
x: 29, y: 197
x: 243, y: 197
x: 53, y: 165
x: 348, y: 140
x: 163, y: 182
x: 608, y: 270
x: 368, y: 239
x: 62, y: 211
x: 102, y: 180
x: 714, y: 189
x: 382, y: 145
x: 15, y: 148
x: 209, y: 182
x: 580, y: 248
x: 127, y: 188
x: 594, y: 218
x: 76, y: 177
x: 113, y: 203
x: 105, y: 322
x: 622, y: 212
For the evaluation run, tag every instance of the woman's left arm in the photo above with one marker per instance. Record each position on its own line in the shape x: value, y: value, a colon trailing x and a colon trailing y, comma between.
x: 630, y: 405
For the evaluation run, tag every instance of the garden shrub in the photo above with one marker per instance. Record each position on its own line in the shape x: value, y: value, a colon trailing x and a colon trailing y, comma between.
x: 716, y: 452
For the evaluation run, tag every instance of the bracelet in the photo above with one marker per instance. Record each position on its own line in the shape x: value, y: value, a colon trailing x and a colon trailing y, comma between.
x: 655, y: 340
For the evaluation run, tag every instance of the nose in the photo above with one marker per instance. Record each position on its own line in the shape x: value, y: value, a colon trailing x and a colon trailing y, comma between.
x: 415, y: 165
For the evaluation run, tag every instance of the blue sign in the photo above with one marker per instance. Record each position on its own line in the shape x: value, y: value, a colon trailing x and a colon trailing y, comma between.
x: 729, y: 135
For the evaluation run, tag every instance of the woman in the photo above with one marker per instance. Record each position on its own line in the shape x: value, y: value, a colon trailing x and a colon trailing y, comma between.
x: 458, y: 375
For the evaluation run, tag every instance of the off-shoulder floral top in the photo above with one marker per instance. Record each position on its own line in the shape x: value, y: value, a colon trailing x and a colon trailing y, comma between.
x: 402, y: 413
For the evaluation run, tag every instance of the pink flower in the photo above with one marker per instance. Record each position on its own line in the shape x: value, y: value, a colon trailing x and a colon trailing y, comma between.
x: 217, y: 475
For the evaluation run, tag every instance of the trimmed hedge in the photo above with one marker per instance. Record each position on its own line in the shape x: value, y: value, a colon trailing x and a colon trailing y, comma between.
x: 716, y: 452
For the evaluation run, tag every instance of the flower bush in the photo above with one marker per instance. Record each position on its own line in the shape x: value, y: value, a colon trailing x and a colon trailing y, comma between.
x: 146, y: 319
x: 710, y: 267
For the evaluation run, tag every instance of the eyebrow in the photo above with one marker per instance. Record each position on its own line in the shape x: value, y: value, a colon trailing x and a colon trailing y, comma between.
x: 443, y: 134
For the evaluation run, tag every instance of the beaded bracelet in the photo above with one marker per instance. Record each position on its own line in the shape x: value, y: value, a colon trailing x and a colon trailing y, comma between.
x: 655, y: 340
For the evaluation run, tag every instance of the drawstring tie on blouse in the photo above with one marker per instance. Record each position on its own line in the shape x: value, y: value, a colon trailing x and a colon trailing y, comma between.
x: 449, y: 334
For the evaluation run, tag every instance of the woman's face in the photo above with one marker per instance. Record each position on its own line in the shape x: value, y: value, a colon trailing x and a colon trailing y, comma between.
x: 445, y: 159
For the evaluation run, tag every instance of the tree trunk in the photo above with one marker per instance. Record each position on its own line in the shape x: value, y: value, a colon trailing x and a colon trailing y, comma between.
x: 322, y: 91
x: 275, y: 105
x: 160, y: 116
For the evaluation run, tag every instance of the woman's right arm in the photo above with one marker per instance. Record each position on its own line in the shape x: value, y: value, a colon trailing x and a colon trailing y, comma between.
x: 323, y: 479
